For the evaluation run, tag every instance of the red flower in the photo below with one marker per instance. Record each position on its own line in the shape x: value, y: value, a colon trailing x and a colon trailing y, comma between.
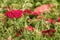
x: 9, y: 14
x: 58, y: 19
x: 14, y: 13
x: 27, y: 12
x: 30, y: 28
x: 17, y: 13
x: 49, y: 32
x: 35, y: 13
x: 50, y: 21
x: 17, y: 34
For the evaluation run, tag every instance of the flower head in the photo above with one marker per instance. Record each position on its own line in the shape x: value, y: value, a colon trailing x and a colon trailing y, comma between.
x: 36, y: 13
x: 50, y: 21
x: 17, y: 13
x: 14, y: 14
x: 30, y: 28
x: 27, y: 12
x: 49, y: 32
x: 9, y: 14
x: 17, y: 34
x: 41, y: 8
x: 58, y: 19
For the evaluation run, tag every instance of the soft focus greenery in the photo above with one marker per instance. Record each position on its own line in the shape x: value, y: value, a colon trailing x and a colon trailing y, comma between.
x: 8, y: 28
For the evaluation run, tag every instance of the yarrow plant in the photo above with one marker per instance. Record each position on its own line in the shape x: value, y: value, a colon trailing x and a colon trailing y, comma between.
x: 14, y: 13
x: 40, y: 21
x: 30, y: 28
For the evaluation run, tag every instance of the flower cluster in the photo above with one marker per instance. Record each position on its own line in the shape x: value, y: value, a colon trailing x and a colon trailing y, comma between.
x: 29, y: 22
x: 42, y: 8
x: 30, y: 28
x: 49, y: 32
x: 50, y: 21
x: 14, y: 14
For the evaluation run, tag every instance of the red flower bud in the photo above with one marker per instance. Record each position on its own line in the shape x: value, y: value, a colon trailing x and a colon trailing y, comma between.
x: 30, y: 28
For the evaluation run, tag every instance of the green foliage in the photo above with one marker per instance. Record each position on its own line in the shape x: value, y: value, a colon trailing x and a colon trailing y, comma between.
x: 10, y: 26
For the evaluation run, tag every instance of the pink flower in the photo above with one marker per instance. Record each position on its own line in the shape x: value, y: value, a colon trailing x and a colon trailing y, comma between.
x: 50, y: 21
x: 41, y: 8
x: 14, y: 14
x: 30, y: 28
